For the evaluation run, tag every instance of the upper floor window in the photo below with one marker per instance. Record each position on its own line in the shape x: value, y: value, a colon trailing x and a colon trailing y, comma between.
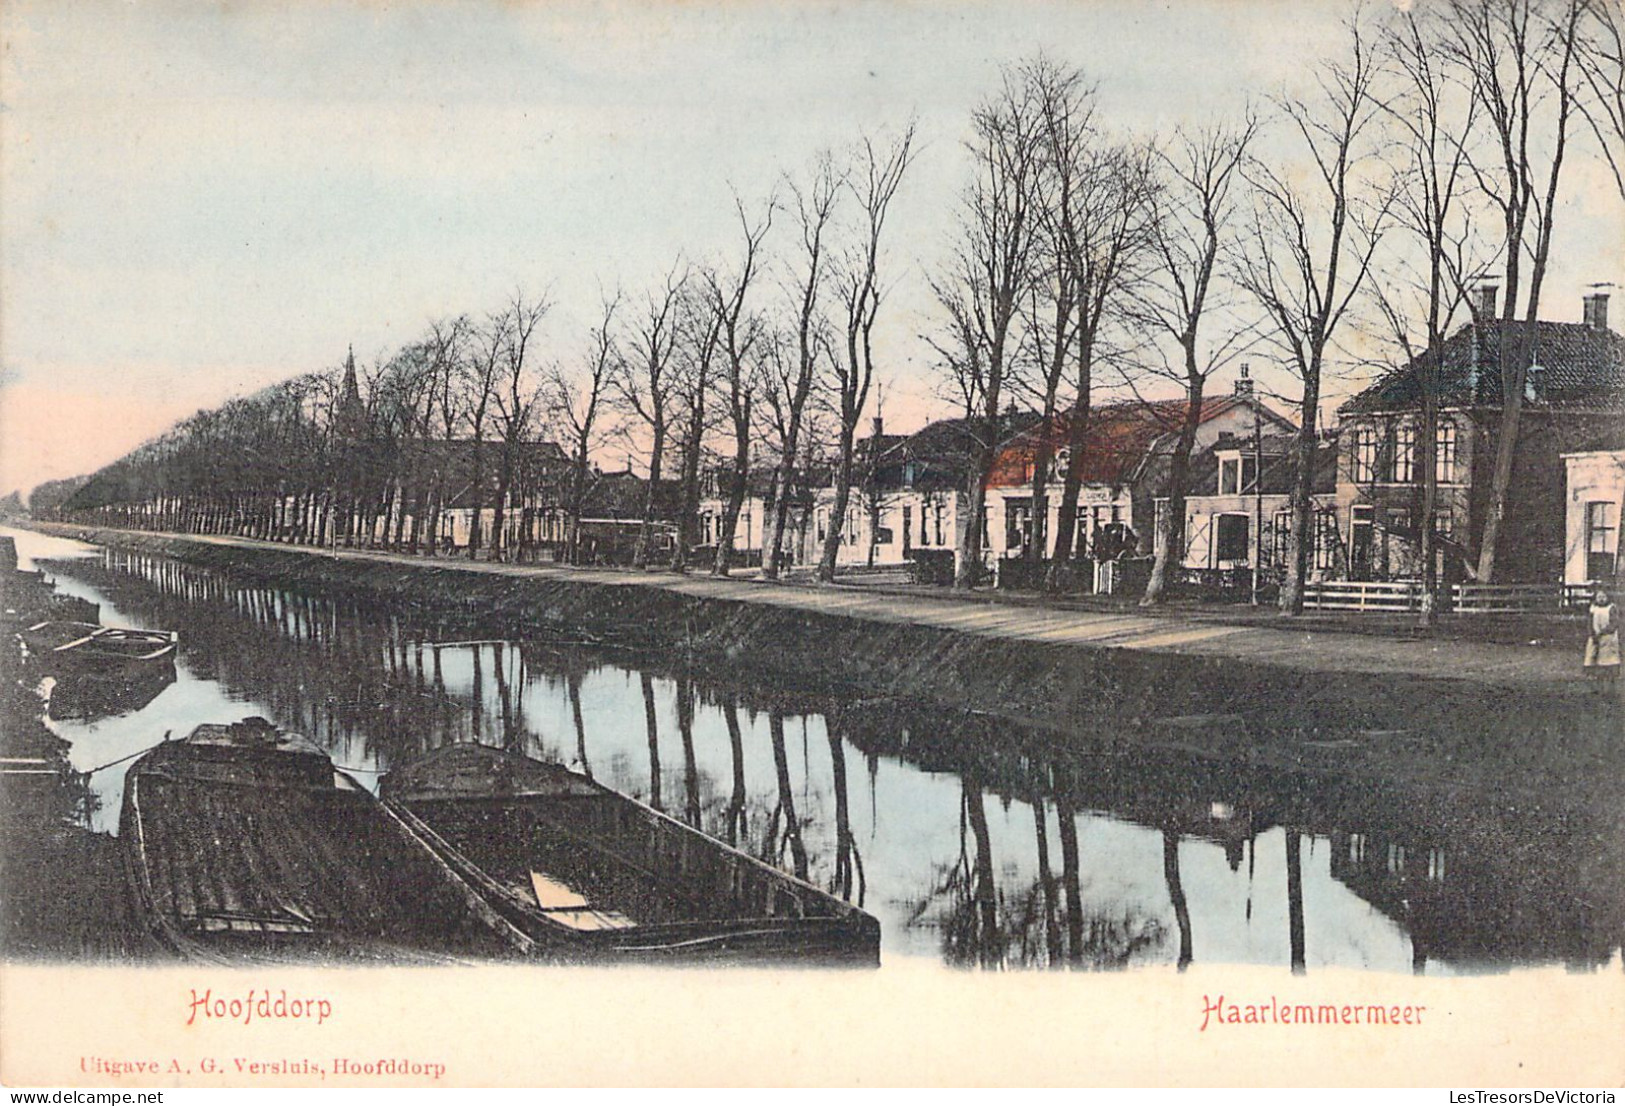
x: 1238, y: 475
x: 1444, y: 453
x: 1365, y: 454
x: 1404, y: 453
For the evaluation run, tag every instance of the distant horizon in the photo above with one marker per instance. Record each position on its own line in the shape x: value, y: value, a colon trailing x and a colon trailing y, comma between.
x: 202, y: 202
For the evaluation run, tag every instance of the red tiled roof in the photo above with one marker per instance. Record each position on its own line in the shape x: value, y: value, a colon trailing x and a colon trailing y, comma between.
x: 1118, y: 437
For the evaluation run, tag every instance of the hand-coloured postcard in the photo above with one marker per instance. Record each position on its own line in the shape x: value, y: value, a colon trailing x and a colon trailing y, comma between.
x: 815, y: 544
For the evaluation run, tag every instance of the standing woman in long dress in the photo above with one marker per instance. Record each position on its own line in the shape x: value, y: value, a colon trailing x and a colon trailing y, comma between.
x: 1602, y: 645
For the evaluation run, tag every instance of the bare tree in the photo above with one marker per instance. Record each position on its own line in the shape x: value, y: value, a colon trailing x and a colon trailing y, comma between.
x: 814, y: 204
x: 447, y: 341
x: 1114, y: 236
x: 516, y: 399
x: 873, y: 184
x: 700, y: 337
x: 1308, y: 251
x: 645, y: 387
x: 482, y: 374
x: 576, y: 401
x: 1522, y: 60
x: 1194, y: 237
x: 1604, y: 68
x: 739, y: 336
x: 1067, y: 111
x: 982, y: 291
x: 1431, y: 115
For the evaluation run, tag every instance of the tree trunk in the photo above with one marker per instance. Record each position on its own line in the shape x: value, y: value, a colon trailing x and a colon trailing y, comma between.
x: 640, y: 555
x: 689, y: 509
x: 968, y: 559
x: 837, y: 513
x: 736, y: 495
x: 1301, y: 542
x: 1171, y: 533
x: 578, y: 496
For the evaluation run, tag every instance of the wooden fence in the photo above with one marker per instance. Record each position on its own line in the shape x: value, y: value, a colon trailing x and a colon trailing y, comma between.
x: 1363, y: 595
x: 1406, y: 595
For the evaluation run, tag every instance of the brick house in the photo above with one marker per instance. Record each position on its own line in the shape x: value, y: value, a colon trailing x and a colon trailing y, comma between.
x: 1574, y: 402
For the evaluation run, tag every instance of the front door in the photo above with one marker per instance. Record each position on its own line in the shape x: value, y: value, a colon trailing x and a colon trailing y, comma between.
x: 1360, y: 535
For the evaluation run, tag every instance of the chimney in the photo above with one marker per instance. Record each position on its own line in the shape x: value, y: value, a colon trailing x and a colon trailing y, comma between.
x: 1596, y: 310
x: 1244, y: 382
x: 1487, y: 294
x: 879, y: 426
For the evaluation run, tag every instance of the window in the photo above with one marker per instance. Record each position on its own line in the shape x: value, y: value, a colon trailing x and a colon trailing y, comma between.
x: 1238, y: 475
x: 1444, y: 457
x: 1398, y: 519
x: 924, y: 507
x: 1018, y: 518
x: 1404, y: 453
x: 1365, y: 454
x: 1234, y: 539
x: 1326, y: 539
x: 1601, y: 533
x: 1282, y: 534
x: 1444, y: 522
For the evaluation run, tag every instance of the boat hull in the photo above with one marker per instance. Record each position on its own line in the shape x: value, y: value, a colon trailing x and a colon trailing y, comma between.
x: 270, y: 854
x: 593, y: 875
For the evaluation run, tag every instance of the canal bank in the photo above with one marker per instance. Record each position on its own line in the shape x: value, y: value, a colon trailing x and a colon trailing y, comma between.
x: 1466, y: 713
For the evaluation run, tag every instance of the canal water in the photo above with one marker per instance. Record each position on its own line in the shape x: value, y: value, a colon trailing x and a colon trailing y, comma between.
x: 974, y: 843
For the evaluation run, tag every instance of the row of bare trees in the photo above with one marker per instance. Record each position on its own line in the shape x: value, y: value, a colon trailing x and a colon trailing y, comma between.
x: 767, y: 349
x: 1431, y: 150
x: 761, y: 360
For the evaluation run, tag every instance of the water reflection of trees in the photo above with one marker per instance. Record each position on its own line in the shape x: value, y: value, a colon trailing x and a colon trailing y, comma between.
x: 373, y: 684
x: 1035, y: 925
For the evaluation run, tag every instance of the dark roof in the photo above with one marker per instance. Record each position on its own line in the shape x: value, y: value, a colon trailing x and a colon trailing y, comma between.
x: 940, y: 453
x: 1583, y: 366
x: 1280, y: 465
x: 621, y: 495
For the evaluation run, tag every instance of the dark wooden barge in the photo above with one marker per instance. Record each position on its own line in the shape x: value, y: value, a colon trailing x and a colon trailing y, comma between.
x: 593, y: 875
x: 244, y: 842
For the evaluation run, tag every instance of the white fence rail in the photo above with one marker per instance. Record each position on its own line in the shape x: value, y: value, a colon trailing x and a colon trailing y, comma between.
x: 1391, y: 597
x: 1517, y: 598
x: 1363, y: 595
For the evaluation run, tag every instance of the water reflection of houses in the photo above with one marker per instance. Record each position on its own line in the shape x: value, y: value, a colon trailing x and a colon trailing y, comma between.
x: 1471, y: 882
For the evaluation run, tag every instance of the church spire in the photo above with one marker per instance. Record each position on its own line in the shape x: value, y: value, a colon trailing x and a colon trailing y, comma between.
x: 351, y: 417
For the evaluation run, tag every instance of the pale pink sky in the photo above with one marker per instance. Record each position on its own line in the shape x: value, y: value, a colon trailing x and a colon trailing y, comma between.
x: 201, y: 198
